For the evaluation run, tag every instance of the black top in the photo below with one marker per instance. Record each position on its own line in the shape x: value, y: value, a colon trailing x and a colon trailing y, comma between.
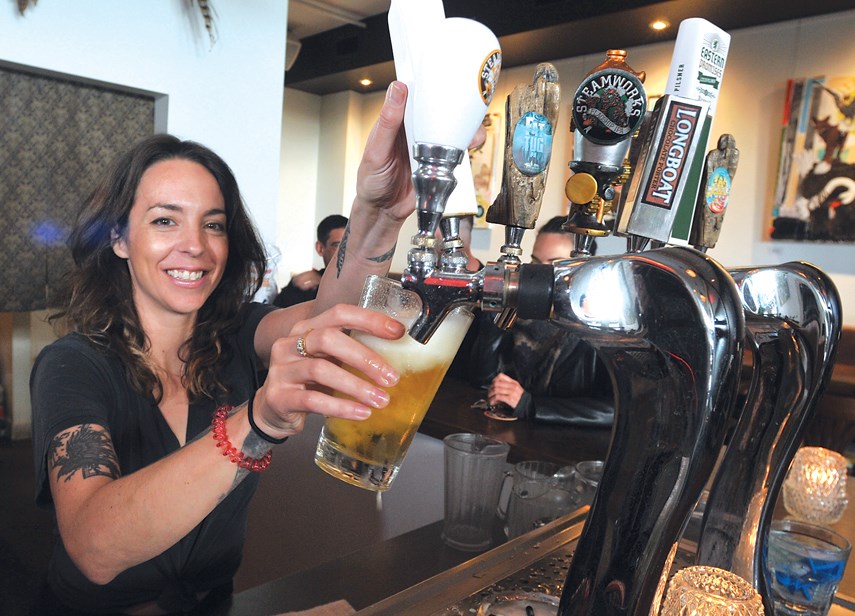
x: 563, y: 378
x: 292, y: 294
x: 74, y: 382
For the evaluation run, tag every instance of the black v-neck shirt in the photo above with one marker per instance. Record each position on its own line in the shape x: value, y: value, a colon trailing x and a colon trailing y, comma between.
x: 74, y: 382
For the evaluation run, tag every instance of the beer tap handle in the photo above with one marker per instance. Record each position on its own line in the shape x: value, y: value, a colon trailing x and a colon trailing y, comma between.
x: 719, y: 170
x: 609, y: 106
x: 530, y: 113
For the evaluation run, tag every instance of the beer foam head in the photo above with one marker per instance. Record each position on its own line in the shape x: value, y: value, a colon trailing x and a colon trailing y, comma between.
x: 407, y: 355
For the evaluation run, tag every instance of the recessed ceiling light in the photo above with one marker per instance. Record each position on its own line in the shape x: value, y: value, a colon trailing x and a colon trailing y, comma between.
x: 659, y: 24
x: 365, y: 82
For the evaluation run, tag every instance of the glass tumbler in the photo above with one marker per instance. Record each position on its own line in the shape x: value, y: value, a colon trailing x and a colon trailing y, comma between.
x: 805, y: 564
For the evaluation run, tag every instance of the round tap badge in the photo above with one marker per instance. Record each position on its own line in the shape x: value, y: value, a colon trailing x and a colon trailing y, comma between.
x: 608, y: 106
x: 718, y: 190
x: 489, y: 76
x: 532, y: 143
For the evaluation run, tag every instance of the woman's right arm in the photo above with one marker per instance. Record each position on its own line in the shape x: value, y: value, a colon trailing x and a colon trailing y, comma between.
x: 110, y: 520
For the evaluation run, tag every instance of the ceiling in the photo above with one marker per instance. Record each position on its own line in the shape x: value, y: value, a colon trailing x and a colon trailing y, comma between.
x: 344, y: 41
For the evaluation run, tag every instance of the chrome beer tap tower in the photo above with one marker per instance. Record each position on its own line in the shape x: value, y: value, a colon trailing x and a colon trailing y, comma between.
x: 669, y: 323
x: 793, y: 322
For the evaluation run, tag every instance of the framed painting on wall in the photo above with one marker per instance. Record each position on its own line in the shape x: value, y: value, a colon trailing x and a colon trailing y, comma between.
x: 815, y: 191
x: 487, y: 161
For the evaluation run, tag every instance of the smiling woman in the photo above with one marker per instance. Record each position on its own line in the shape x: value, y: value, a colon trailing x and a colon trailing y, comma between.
x: 155, y: 403
x: 175, y: 242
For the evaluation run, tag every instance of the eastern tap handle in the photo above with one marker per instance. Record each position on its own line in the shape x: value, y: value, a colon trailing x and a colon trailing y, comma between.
x: 719, y: 170
x: 531, y: 112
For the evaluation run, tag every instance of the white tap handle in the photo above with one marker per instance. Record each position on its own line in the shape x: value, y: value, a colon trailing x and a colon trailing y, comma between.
x: 456, y: 79
x: 417, y: 31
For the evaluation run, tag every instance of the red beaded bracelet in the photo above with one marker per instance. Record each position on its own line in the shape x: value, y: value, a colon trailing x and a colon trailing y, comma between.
x: 218, y: 426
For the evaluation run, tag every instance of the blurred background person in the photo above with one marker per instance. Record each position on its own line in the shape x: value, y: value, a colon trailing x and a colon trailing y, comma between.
x: 536, y: 370
x: 304, y: 286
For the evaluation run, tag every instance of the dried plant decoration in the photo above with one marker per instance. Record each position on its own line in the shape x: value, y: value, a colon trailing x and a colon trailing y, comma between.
x: 23, y: 5
x: 205, y: 8
x: 208, y: 15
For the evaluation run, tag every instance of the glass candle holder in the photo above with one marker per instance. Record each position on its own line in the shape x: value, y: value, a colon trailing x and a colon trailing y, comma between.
x: 710, y: 591
x: 815, y: 486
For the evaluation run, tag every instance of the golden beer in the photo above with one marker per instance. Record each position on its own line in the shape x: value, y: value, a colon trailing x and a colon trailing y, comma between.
x: 369, y: 453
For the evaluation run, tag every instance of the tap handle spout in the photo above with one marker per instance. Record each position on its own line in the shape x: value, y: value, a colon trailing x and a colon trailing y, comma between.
x: 440, y: 292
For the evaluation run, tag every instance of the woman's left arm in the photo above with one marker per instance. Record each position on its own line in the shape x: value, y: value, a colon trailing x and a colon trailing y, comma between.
x: 385, y: 197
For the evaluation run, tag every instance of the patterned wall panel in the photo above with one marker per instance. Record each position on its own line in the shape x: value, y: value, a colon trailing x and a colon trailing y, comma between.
x: 56, y: 138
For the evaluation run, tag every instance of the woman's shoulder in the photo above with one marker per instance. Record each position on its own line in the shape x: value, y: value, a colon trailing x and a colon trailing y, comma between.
x: 75, y: 343
x: 74, y: 350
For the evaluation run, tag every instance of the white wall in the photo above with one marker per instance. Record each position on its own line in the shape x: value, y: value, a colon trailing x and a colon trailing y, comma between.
x: 227, y: 95
x: 760, y: 62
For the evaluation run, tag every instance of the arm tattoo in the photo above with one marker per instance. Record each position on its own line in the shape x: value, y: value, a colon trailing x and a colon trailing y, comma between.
x: 86, y: 450
x: 385, y: 256
x: 342, y: 250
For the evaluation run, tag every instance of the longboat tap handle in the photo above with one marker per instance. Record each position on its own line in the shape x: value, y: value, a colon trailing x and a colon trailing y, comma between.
x: 719, y: 170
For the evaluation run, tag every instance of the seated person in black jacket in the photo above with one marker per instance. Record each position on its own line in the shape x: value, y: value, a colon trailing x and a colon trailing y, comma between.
x: 541, y: 371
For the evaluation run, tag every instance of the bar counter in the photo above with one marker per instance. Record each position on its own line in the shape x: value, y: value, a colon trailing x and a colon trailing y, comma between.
x: 370, y: 575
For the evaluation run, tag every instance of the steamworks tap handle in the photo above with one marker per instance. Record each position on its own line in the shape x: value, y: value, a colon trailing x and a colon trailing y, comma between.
x: 531, y: 112
x: 719, y: 170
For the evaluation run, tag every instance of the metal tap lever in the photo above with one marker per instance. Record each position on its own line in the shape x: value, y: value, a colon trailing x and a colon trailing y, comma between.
x: 669, y: 326
x: 793, y: 325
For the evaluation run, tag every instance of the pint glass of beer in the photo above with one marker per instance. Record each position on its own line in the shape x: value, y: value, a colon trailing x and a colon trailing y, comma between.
x: 368, y: 453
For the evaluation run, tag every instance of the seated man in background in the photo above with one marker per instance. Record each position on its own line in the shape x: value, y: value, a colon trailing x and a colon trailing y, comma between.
x: 538, y: 370
x: 304, y: 286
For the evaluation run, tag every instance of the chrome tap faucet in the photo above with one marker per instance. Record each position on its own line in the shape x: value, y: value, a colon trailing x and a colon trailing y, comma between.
x: 669, y: 326
x: 793, y: 324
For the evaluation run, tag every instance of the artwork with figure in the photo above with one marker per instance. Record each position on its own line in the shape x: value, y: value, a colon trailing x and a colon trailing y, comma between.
x: 486, y: 162
x: 815, y: 192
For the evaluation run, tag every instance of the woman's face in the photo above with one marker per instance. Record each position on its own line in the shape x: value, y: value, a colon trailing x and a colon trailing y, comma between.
x: 176, y: 242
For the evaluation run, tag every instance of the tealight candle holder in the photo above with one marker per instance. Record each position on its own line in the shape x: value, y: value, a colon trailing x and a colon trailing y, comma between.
x: 815, y: 486
x: 710, y: 591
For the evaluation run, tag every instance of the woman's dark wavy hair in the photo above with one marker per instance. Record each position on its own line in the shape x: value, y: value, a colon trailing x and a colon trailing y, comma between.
x: 95, y: 300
